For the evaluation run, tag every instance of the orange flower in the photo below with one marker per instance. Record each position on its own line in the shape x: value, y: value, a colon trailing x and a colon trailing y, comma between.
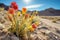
x: 24, y: 10
x: 11, y: 11
x: 34, y: 25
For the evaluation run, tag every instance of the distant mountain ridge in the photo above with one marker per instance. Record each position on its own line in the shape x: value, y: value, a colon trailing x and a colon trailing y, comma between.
x: 46, y: 12
x: 5, y: 6
x: 50, y: 12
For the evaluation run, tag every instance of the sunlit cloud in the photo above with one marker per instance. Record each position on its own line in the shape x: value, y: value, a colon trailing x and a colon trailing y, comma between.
x: 34, y: 6
x: 27, y: 1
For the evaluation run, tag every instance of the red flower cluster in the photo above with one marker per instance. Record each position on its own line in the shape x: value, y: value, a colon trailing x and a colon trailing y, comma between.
x: 14, y: 5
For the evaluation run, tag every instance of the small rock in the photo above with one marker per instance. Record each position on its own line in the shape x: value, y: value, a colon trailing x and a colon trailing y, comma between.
x: 7, y: 36
x: 2, y: 26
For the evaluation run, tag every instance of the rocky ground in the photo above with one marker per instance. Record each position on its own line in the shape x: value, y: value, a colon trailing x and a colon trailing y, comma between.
x: 47, y: 30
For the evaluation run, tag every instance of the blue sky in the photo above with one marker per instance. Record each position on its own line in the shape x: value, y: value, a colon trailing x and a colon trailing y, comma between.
x: 34, y: 4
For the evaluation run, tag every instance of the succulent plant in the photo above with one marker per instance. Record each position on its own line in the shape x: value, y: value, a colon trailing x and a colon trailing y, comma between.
x: 22, y: 24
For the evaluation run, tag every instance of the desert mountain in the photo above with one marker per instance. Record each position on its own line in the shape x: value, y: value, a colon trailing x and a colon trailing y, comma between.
x: 50, y: 12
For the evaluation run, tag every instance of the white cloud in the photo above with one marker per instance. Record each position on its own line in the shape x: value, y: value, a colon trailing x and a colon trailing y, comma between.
x: 27, y: 1
x: 34, y: 6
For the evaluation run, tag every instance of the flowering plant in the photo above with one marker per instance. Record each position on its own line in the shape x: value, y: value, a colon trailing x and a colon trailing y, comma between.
x: 22, y: 22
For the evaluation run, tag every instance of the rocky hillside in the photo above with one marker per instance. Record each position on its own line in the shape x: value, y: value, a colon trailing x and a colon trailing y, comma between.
x: 50, y: 12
